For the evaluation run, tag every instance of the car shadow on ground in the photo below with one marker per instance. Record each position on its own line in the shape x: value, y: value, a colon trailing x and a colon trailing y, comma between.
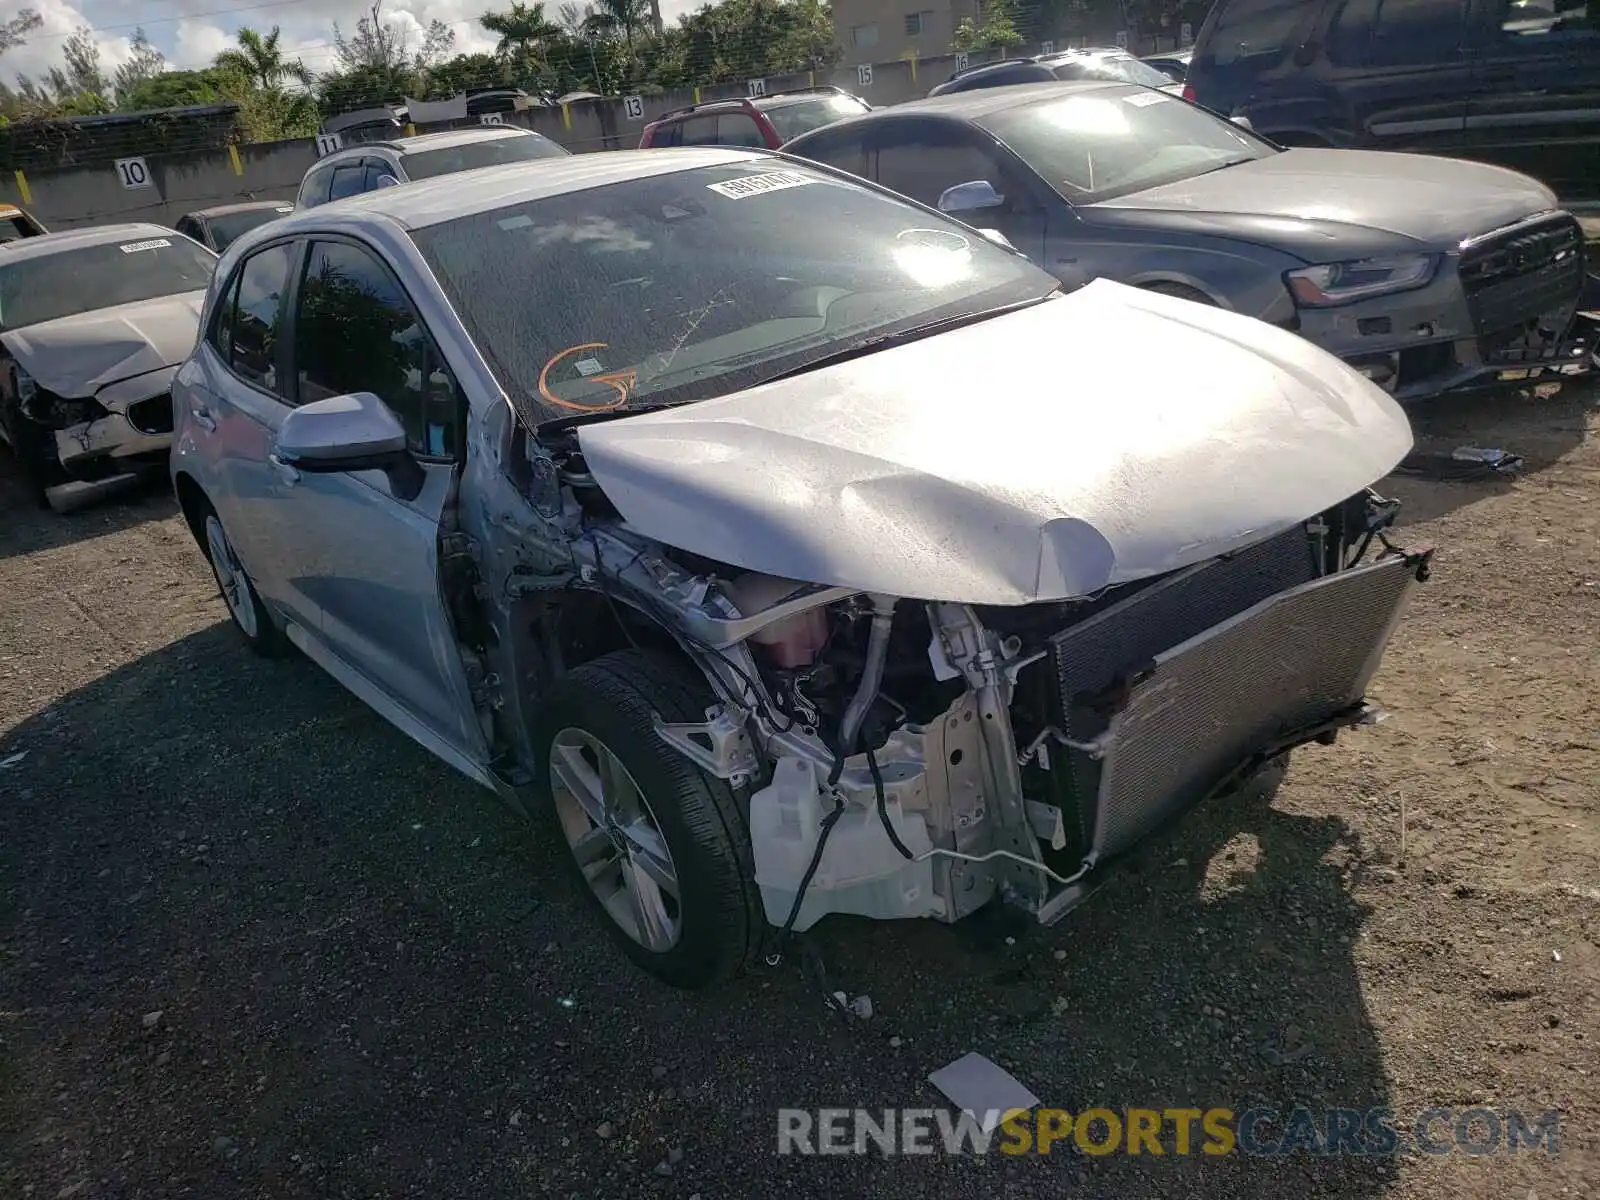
x: 1541, y: 432
x: 257, y: 943
x: 30, y: 528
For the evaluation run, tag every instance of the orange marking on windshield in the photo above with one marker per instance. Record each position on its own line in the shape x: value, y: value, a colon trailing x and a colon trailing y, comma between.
x: 620, y: 382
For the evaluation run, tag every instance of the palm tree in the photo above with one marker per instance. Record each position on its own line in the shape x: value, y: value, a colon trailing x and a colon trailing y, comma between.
x: 624, y: 16
x: 522, y: 28
x: 260, y: 60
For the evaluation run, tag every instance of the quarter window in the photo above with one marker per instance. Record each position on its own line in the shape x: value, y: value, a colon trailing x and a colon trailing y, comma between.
x: 248, y: 333
x: 355, y: 331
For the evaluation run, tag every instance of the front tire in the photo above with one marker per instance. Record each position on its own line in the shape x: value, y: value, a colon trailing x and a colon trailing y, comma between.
x: 660, y: 848
x: 33, y: 446
x: 1181, y: 291
x: 249, y: 615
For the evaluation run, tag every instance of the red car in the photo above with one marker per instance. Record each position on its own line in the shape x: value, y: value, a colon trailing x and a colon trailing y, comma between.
x: 765, y: 121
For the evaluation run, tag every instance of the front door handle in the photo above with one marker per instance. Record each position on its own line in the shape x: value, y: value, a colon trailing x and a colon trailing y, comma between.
x: 202, y: 417
x: 287, y: 472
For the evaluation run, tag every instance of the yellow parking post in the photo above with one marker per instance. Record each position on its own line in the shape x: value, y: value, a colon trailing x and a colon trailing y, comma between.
x: 233, y: 157
x: 22, y: 186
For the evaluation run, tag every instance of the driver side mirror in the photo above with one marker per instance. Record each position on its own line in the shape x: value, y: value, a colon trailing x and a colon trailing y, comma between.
x: 386, y: 181
x: 357, y: 432
x: 970, y: 197
x: 1243, y: 122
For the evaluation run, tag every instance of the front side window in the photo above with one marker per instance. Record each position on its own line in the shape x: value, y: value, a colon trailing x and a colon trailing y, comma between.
x: 925, y: 164
x: 356, y: 331
x: 845, y: 150
x: 252, y: 351
x: 347, y: 181
x: 1108, y: 143
x: 86, y: 278
x: 700, y: 282
x: 791, y: 120
x: 491, y: 152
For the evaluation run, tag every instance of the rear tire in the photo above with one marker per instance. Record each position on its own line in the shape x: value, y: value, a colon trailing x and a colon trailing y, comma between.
x: 665, y: 824
x: 249, y: 615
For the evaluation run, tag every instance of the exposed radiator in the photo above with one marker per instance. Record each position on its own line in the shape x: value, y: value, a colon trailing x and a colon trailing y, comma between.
x: 1267, y: 676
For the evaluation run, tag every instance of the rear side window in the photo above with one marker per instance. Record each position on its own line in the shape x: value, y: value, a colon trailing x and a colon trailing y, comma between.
x: 248, y: 334
x: 1249, y: 28
x: 1396, y: 33
x: 666, y: 135
x: 697, y: 131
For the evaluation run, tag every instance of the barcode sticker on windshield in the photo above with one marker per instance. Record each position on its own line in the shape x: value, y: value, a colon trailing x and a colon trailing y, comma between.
x: 755, y: 185
x: 152, y: 244
x: 1140, y: 99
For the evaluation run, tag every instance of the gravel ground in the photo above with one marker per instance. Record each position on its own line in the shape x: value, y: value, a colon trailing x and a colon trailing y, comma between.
x: 253, y: 943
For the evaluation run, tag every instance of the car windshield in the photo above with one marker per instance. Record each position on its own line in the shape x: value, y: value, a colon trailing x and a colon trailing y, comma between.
x: 86, y: 278
x: 802, y: 116
x: 1108, y: 143
x: 228, y: 227
x: 491, y: 152
x: 1112, y: 66
x: 688, y: 285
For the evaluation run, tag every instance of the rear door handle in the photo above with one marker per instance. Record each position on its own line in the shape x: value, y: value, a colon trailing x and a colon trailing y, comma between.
x: 285, y: 471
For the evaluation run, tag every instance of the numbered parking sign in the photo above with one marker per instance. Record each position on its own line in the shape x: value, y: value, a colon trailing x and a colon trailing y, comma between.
x: 633, y: 107
x: 1047, y: 47
x: 1186, y: 32
x: 1122, y: 39
x: 133, y: 172
x: 961, y: 62
x: 756, y: 87
x: 327, y: 143
x: 864, y: 75
x: 492, y: 119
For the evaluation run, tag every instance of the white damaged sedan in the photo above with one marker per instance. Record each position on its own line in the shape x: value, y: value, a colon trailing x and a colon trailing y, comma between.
x: 93, y: 325
x: 788, y: 547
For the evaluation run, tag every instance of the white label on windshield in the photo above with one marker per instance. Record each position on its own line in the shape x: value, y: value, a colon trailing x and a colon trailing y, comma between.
x: 587, y: 366
x: 152, y: 244
x: 755, y: 185
x: 1140, y: 99
x: 521, y: 221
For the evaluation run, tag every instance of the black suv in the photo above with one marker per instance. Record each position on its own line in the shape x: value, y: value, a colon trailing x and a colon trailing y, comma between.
x: 1514, y: 82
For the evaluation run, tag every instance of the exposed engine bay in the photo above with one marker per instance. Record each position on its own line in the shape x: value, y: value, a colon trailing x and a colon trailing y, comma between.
x: 904, y: 758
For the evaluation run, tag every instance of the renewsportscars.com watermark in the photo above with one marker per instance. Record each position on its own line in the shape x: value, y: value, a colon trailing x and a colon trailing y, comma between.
x: 1257, y: 1132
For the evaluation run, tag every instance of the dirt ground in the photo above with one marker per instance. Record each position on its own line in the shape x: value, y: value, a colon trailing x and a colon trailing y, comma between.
x: 253, y: 943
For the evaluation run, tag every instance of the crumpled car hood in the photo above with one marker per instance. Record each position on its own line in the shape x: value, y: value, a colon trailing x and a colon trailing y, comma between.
x: 1106, y: 436
x: 1437, y: 201
x: 77, y: 356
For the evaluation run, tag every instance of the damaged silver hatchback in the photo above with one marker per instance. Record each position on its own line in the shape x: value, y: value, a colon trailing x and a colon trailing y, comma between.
x: 93, y: 325
x: 786, y: 546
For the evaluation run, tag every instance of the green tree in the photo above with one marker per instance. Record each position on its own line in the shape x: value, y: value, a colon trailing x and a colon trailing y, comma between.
x: 996, y: 29
x: 144, y: 63
x: 270, y: 90
x: 173, y: 89
x: 607, y: 18
x: 14, y: 32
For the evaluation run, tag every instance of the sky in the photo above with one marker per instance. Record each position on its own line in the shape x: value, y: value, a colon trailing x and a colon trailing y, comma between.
x: 191, y: 32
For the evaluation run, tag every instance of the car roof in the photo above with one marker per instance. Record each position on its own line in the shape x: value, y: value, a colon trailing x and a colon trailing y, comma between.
x: 443, y: 198
x: 47, y: 244
x: 225, y: 210
x: 976, y: 103
x: 419, y: 142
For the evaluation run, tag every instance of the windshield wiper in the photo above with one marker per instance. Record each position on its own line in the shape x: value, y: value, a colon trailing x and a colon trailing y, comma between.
x: 559, y: 424
x: 900, y: 337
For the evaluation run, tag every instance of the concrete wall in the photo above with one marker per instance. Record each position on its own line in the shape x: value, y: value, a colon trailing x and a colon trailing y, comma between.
x: 95, y: 194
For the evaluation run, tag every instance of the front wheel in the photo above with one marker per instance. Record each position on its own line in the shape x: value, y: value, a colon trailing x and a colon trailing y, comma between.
x: 1181, y: 291
x: 659, y: 847
x: 34, y: 448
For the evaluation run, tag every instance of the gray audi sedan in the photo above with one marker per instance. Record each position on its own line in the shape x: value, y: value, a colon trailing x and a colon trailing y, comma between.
x: 1428, y: 275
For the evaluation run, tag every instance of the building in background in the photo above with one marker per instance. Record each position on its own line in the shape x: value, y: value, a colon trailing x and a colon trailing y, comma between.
x: 885, y: 30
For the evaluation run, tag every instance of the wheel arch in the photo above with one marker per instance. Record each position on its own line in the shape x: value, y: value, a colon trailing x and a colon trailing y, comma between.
x: 194, y: 505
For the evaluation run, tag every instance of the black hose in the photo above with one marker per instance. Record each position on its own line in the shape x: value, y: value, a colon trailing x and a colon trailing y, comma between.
x: 883, y: 806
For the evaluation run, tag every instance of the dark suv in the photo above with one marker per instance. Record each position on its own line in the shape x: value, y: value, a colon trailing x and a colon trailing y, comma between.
x: 1514, y: 82
x: 759, y: 121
